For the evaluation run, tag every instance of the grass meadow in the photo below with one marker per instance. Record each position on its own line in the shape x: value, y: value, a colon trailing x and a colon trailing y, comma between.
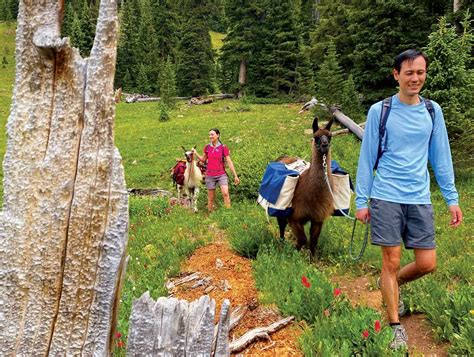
x: 162, y: 236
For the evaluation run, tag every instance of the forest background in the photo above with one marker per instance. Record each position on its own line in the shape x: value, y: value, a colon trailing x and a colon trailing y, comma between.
x: 339, y: 51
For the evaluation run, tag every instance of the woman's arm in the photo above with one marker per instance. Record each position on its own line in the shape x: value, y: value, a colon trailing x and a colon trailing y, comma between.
x: 202, y: 158
x: 232, y: 168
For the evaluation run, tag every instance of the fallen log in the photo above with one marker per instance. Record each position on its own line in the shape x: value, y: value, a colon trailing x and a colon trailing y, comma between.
x: 347, y: 122
x: 258, y: 334
x: 345, y: 131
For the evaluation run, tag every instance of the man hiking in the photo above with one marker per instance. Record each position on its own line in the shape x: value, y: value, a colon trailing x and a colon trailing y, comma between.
x: 402, y: 134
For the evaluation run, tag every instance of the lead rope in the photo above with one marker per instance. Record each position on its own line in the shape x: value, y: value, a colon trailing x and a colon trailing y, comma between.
x: 366, y: 234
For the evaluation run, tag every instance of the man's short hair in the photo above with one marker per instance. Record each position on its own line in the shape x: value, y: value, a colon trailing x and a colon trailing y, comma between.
x: 408, y: 55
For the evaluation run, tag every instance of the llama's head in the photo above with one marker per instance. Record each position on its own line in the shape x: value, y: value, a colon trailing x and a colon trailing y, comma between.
x: 189, y: 154
x: 322, y: 136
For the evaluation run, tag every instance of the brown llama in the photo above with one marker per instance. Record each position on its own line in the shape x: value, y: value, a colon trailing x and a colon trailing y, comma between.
x: 312, y: 200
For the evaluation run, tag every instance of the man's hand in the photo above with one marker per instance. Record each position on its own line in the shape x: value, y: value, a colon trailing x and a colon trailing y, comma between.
x: 236, y: 180
x: 456, y: 216
x: 363, y: 215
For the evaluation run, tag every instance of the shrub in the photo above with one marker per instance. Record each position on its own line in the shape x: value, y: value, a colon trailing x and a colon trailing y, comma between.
x: 164, y: 112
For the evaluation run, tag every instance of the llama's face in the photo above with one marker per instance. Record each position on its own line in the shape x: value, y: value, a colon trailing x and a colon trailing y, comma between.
x: 188, y: 154
x: 322, y: 136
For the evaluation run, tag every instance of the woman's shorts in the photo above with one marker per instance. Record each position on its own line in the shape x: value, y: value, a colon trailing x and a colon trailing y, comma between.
x: 213, y: 181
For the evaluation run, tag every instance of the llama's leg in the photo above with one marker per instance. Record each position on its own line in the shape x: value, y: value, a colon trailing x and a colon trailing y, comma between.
x: 314, y: 232
x: 282, y: 223
x: 195, y: 197
x: 298, y: 231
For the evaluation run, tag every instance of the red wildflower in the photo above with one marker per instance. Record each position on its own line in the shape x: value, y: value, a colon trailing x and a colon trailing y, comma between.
x: 120, y: 344
x: 377, y: 326
x: 118, y: 335
x: 337, y: 292
x: 365, y: 334
x: 305, y: 281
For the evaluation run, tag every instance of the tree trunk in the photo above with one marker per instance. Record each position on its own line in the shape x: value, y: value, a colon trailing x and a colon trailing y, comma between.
x: 456, y: 5
x: 242, y: 77
x: 63, y: 228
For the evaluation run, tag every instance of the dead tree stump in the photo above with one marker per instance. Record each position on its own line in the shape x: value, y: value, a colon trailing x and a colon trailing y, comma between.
x: 63, y: 228
x: 172, y: 327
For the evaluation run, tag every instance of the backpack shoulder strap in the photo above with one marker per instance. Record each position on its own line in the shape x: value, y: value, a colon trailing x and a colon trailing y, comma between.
x: 386, y: 107
x: 430, y: 108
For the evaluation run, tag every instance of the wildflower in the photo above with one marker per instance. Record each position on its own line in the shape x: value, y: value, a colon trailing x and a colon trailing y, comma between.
x: 471, y: 312
x: 118, y: 335
x: 365, y: 334
x: 326, y: 312
x: 377, y: 326
x: 337, y: 292
x: 305, y: 281
x: 120, y: 344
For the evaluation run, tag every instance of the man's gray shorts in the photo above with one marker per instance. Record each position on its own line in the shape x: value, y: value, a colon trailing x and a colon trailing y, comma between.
x: 391, y: 223
x: 213, y: 181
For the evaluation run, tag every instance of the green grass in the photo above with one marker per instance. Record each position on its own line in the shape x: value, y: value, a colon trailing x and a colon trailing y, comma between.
x: 7, y: 75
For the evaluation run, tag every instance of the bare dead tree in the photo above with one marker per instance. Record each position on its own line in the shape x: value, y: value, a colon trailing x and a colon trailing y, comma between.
x: 63, y: 227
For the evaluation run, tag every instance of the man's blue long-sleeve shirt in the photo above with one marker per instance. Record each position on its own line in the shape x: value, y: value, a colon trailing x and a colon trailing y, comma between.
x: 410, y: 141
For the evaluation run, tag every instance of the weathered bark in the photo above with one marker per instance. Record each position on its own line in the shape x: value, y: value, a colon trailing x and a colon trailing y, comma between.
x: 172, y: 327
x: 63, y: 228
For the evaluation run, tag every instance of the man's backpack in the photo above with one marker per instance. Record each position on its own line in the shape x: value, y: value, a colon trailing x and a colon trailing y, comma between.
x: 386, y: 107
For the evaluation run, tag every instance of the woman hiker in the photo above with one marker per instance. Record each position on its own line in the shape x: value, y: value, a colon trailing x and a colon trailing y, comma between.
x: 217, y: 154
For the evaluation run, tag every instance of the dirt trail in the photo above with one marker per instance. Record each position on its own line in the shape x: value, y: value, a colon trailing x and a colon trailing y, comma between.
x: 232, y: 279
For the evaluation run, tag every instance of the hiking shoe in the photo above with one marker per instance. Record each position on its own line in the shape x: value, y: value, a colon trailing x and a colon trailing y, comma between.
x: 401, y: 305
x: 400, y: 338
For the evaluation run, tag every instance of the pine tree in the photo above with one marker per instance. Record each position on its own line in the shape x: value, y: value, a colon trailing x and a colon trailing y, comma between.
x: 5, y: 11
x: 88, y: 23
x: 450, y: 82
x: 329, y: 78
x: 380, y: 31
x: 76, y: 35
x: 195, y: 65
x: 68, y: 19
x: 143, y: 83
x: 350, y: 100
x: 128, y: 50
x: 241, y: 43
x: 167, y: 83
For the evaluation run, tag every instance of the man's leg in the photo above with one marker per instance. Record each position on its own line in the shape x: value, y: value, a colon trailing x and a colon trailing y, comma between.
x: 210, y: 199
x: 389, y: 285
x: 425, y: 263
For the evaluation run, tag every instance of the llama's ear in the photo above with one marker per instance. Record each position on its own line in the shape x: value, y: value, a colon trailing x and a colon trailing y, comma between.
x: 184, y: 149
x: 315, y: 124
x: 328, y: 125
x: 194, y: 147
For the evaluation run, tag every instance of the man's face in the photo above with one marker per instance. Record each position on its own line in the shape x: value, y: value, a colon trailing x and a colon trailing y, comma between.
x: 411, y: 77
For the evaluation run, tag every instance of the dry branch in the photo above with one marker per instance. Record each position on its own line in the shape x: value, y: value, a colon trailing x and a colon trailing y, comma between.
x: 258, y: 333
